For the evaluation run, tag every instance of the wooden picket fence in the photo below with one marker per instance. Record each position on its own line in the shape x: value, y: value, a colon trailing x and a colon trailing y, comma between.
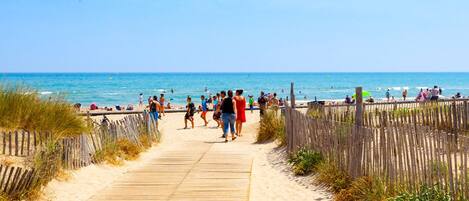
x: 15, y: 179
x: 449, y: 115
x: 76, y: 152
x: 404, y: 150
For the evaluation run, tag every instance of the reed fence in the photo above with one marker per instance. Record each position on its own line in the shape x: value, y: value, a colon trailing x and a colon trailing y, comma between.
x: 76, y: 152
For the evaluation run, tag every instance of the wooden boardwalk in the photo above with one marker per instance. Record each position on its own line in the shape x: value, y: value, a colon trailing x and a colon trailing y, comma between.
x: 192, y: 170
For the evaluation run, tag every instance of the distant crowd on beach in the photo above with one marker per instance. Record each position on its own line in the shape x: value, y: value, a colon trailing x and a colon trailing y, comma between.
x: 229, y: 109
x: 428, y: 94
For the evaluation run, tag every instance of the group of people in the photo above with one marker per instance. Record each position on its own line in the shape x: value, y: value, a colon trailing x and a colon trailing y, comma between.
x: 432, y: 94
x: 228, y: 109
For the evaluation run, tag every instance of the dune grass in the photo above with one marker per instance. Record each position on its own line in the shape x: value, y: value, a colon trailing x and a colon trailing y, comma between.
x: 23, y: 109
x: 272, y: 127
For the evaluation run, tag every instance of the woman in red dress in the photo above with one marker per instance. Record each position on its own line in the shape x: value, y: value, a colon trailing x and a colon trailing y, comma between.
x: 240, y: 111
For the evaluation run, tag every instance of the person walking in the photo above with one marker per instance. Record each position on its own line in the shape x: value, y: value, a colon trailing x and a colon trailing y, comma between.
x: 251, y: 103
x: 262, y: 101
x: 228, y: 108
x: 240, y: 111
x: 204, y: 109
x: 189, y: 112
x: 162, y: 99
x: 216, y: 111
x: 154, y: 105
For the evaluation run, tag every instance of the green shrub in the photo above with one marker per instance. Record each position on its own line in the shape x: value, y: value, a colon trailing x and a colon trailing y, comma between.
x: 304, y: 161
x: 272, y: 127
x: 433, y: 193
x: 331, y: 176
x: 363, y: 188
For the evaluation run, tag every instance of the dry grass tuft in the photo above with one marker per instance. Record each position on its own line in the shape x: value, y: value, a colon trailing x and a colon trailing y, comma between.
x: 23, y: 109
x: 331, y: 176
x: 363, y: 188
x: 272, y: 127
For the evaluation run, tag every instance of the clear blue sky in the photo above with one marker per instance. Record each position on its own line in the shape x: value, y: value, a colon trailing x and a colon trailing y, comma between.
x: 233, y: 35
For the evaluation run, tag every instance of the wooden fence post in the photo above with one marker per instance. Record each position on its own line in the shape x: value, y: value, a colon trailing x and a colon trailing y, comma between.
x: 292, y: 97
x: 358, y: 127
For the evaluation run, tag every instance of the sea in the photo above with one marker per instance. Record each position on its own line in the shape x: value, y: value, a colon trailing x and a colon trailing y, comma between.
x: 108, y: 89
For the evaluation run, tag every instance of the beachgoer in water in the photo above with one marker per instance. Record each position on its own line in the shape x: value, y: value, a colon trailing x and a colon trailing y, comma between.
x: 262, y: 101
x: 388, y: 95
x: 228, y: 108
x: 140, y: 100
x: 172, y: 91
x: 240, y: 111
x: 162, y: 99
x: 251, y: 103
x: 204, y: 109
x: 189, y: 112
x: 404, y: 94
x: 154, y: 105
x: 435, y: 93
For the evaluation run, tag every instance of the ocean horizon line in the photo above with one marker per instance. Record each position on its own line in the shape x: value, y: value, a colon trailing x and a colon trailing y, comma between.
x: 236, y: 72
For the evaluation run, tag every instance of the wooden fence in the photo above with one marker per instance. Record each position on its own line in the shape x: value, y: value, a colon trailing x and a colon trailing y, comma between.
x: 448, y: 115
x: 76, y: 152
x: 395, y: 149
x: 15, y: 179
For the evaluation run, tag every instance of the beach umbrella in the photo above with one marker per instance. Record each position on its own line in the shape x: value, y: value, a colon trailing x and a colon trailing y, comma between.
x: 364, y: 94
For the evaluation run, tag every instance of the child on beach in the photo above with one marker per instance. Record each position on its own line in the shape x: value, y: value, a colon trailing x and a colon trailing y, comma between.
x: 189, y: 113
x: 204, y: 109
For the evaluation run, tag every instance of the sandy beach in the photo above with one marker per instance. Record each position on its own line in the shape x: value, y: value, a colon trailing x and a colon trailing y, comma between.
x: 270, y: 178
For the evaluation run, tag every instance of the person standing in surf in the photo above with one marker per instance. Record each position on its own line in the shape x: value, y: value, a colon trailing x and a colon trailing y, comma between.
x: 228, y: 108
x: 240, y: 111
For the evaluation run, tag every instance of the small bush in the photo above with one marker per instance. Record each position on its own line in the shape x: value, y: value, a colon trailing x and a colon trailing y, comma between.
x: 304, y: 161
x: 363, y: 188
x: 146, y: 140
x: 272, y: 127
x: 433, y: 193
x: 331, y: 176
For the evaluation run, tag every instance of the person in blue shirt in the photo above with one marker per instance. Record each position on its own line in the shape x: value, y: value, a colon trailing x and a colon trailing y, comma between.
x: 204, y: 109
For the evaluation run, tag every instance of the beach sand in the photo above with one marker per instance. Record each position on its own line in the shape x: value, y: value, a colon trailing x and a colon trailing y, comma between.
x: 270, y: 178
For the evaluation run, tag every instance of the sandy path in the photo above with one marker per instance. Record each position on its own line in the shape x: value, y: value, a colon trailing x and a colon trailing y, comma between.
x: 193, y: 164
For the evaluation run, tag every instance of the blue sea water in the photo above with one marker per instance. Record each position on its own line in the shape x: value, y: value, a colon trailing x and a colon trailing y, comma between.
x: 123, y: 88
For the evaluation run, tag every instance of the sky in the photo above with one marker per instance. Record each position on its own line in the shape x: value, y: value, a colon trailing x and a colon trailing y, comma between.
x: 233, y: 35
